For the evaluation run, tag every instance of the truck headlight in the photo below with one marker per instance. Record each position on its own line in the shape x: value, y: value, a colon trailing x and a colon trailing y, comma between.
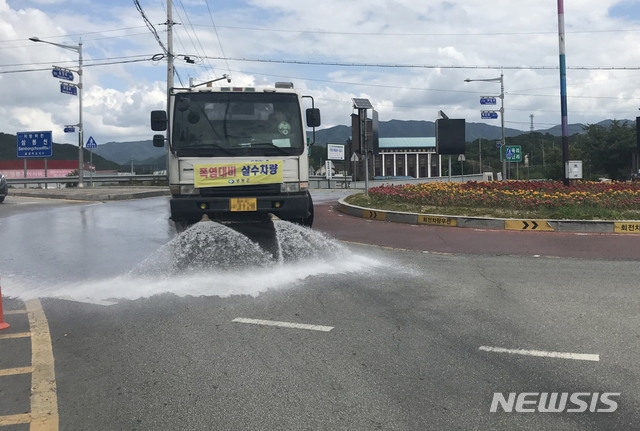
x: 183, y: 190
x: 289, y: 187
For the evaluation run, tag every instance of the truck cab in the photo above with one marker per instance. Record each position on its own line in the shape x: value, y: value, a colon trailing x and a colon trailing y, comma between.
x: 237, y: 154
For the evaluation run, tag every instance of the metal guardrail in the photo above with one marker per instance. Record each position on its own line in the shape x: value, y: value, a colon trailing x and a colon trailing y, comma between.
x: 87, y: 179
x: 321, y: 182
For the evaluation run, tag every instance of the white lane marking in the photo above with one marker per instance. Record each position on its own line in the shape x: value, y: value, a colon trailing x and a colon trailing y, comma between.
x: 283, y: 324
x: 88, y: 301
x: 541, y: 353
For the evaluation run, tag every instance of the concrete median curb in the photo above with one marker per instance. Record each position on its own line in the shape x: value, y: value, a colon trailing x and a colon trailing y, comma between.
x: 524, y: 225
x: 98, y: 194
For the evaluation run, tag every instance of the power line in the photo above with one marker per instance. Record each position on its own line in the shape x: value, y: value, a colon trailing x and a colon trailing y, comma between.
x: 4, y: 72
x: 197, y: 38
x: 398, y: 87
x: 149, y: 25
x: 217, y: 36
x: 73, y: 61
x: 76, y: 34
x: 351, y: 33
x: 422, y: 66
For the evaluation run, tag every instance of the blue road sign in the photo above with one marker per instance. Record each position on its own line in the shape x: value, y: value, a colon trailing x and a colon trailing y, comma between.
x: 91, y: 143
x: 68, y: 89
x: 488, y: 115
x: 487, y: 100
x: 62, y: 74
x: 498, y: 144
x: 69, y: 129
x: 34, y: 144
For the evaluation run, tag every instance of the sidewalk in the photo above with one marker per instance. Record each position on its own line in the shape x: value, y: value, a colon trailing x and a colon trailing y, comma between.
x: 92, y: 193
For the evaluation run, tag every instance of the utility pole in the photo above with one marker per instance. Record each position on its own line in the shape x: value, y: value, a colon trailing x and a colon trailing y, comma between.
x: 170, y: 67
x: 480, y: 153
x: 563, y: 93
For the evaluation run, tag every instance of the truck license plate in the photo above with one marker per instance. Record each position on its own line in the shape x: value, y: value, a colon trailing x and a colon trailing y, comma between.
x: 243, y: 204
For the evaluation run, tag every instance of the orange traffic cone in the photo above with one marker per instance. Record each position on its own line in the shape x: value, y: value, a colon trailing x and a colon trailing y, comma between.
x: 3, y: 324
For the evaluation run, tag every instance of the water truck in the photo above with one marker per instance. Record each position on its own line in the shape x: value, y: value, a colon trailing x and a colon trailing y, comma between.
x: 237, y: 155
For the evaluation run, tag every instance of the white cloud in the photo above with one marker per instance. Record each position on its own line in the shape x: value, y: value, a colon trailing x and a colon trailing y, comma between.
x: 118, y: 98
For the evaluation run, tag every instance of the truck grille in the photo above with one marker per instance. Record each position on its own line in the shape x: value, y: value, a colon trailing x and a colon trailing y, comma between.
x: 257, y: 190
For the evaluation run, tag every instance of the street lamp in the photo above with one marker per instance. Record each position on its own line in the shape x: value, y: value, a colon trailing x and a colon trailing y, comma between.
x: 501, y: 81
x: 76, y: 48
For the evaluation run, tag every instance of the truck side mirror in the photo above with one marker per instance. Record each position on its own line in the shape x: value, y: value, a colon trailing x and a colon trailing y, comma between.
x: 158, y: 141
x: 158, y: 121
x: 313, y: 117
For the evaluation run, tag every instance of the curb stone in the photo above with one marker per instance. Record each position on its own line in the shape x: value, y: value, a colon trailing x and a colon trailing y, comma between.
x: 524, y: 225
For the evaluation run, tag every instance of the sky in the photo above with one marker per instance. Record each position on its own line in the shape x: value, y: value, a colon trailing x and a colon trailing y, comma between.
x: 409, y: 58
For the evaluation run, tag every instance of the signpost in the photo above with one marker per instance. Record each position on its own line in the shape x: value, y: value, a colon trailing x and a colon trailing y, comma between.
x: 34, y: 145
x: 487, y: 100
x: 68, y: 89
x: 488, y: 115
x: 513, y: 153
x: 355, y: 159
x: 61, y: 73
x: 91, y: 145
x: 335, y: 152
x: 69, y: 129
x: 461, y: 159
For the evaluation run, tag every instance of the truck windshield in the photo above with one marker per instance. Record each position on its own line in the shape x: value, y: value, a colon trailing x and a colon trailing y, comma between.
x: 237, y: 124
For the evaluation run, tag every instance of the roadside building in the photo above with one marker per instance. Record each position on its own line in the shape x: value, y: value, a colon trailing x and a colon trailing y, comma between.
x: 402, y: 157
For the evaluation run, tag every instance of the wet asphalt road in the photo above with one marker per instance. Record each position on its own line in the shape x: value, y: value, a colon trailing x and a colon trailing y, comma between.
x: 403, y: 354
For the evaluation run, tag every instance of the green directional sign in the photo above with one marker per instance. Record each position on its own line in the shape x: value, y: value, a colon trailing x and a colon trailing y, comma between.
x: 513, y: 153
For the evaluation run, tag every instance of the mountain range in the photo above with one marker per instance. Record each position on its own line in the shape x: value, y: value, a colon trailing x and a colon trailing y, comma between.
x: 143, y: 153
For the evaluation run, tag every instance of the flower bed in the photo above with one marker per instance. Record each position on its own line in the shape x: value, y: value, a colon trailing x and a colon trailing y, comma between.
x: 515, y: 195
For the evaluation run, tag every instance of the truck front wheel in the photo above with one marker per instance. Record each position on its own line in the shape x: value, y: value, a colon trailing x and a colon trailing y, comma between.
x: 308, y: 221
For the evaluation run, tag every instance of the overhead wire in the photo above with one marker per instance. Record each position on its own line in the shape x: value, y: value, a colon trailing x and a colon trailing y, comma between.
x: 195, y: 34
x: 384, y: 34
x: 422, y: 66
x: 218, y: 36
x: 150, y: 26
x: 87, y: 64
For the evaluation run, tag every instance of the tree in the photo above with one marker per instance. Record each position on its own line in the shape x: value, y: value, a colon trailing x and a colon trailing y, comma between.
x: 608, y: 150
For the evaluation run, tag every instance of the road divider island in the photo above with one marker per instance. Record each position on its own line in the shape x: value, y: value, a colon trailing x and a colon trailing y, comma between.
x: 528, y: 206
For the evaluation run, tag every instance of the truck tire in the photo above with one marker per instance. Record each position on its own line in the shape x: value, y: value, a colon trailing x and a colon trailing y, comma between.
x: 308, y: 221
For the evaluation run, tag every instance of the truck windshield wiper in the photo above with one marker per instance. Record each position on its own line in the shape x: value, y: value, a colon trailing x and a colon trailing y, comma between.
x: 198, y: 147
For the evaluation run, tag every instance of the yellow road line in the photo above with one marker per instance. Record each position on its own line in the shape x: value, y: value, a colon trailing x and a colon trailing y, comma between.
x: 15, y: 371
x: 8, y: 312
x: 24, y: 418
x: 15, y: 335
x: 44, y: 401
